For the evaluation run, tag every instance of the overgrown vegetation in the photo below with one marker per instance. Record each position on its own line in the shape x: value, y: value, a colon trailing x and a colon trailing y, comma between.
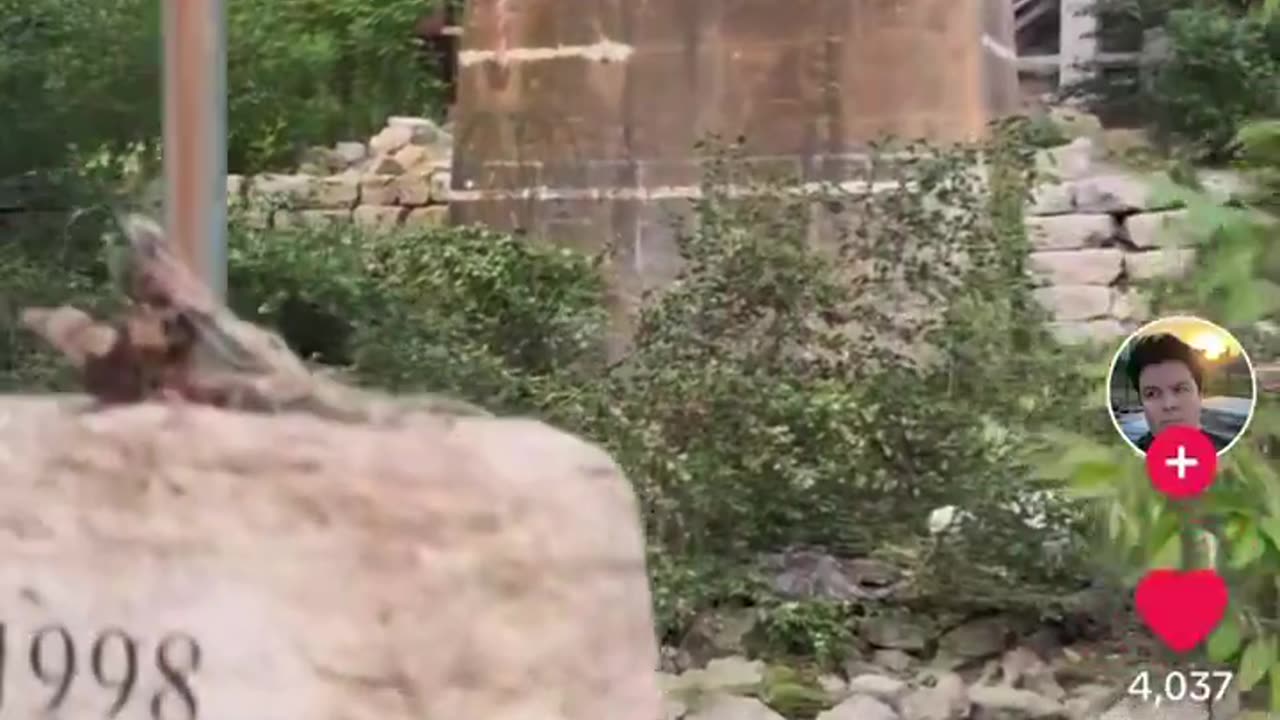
x: 1220, y: 70
x: 83, y: 80
x: 781, y: 393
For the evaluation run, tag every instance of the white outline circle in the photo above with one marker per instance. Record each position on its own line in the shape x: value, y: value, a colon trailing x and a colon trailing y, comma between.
x: 1253, y: 380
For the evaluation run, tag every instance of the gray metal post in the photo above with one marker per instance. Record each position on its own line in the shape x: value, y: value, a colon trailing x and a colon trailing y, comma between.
x: 195, y: 135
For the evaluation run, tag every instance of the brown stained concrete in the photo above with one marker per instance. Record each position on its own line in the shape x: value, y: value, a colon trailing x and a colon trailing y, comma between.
x: 573, y: 114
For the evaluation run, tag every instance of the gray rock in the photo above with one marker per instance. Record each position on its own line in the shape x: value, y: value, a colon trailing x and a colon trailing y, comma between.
x: 893, y: 660
x: 1157, y: 229
x: 284, y: 188
x: 731, y: 673
x: 1067, y: 162
x: 1118, y: 193
x: 422, y: 131
x: 1130, y: 304
x: 834, y: 686
x: 880, y: 687
x: 859, y: 707
x: 897, y: 633
x: 729, y: 707
x: 1077, y: 267
x: 674, y: 709
x: 1052, y: 199
x: 948, y: 699
x: 719, y: 634
x: 1022, y: 668
x: 812, y: 574
x: 1075, y: 123
x: 1165, y: 262
x: 351, y: 153
x: 1088, y: 701
x: 1075, y: 302
x: 1023, y: 702
x: 1134, y: 708
x: 1071, y: 232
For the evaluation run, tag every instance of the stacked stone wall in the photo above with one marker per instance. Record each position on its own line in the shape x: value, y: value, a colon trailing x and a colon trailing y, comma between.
x: 1097, y: 233
x: 400, y: 177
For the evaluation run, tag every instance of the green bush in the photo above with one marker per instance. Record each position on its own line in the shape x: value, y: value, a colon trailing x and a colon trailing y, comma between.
x: 1222, y: 70
x: 774, y: 398
x: 78, y: 79
x: 460, y: 311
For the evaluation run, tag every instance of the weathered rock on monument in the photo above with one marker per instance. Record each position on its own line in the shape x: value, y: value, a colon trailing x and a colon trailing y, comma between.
x: 304, y: 549
x: 577, y: 119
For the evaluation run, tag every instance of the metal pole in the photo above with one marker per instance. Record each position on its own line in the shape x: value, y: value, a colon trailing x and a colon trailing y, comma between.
x: 195, y: 135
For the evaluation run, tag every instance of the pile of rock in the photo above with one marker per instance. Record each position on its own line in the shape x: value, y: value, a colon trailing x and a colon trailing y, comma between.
x: 401, y: 176
x: 1097, y: 232
x: 901, y: 666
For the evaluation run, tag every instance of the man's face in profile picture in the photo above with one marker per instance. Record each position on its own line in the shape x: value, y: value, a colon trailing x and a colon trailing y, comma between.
x: 1170, y: 396
x: 1166, y: 373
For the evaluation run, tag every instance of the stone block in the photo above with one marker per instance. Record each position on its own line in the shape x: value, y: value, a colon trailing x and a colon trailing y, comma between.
x: 1165, y: 262
x: 235, y: 189
x: 287, y: 190
x: 292, y: 567
x: 390, y: 139
x: 335, y: 192
x: 413, y: 189
x: 1052, y: 199
x: 1075, y: 302
x: 312, y: 218
x: 384, y: 165
x: 430, y: 216
x: 379, y: 190
x: 1130, y: 304
x: 1077, y: 267
x: 1070, y: 232
x: 1067, y: 162
x: 352, y: 152
x: 441, y: 182
x: 1156, y: 229
x: 1118, y: 193
x: 378, y: 216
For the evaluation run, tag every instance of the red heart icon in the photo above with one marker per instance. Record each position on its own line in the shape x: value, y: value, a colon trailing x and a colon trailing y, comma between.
x: 1182, y: 608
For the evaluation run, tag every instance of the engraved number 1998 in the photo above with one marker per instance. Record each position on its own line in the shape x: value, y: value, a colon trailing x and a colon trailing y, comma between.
x: 113, y: 662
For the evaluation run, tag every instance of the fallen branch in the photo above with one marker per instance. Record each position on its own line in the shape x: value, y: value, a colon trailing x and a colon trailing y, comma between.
x: 177, y: 342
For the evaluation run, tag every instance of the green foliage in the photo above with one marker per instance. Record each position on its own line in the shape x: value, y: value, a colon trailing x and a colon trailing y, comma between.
x: 1222, y: 69
x: 1235, y: 525
x: 79, y: 79
x: 820, y: 631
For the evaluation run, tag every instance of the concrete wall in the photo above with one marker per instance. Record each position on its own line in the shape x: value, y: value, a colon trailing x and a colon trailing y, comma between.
x: 577, y: 119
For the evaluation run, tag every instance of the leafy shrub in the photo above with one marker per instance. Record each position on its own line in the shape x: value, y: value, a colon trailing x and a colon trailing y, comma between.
x: 1222, y: 69
x: 778, y: 394
x: 459, y: 311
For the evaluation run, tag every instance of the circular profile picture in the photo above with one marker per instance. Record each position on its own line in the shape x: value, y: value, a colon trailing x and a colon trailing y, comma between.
x: 1181, y: 371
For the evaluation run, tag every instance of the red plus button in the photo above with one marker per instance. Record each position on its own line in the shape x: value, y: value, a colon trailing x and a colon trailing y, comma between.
x: 1182, y: 462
